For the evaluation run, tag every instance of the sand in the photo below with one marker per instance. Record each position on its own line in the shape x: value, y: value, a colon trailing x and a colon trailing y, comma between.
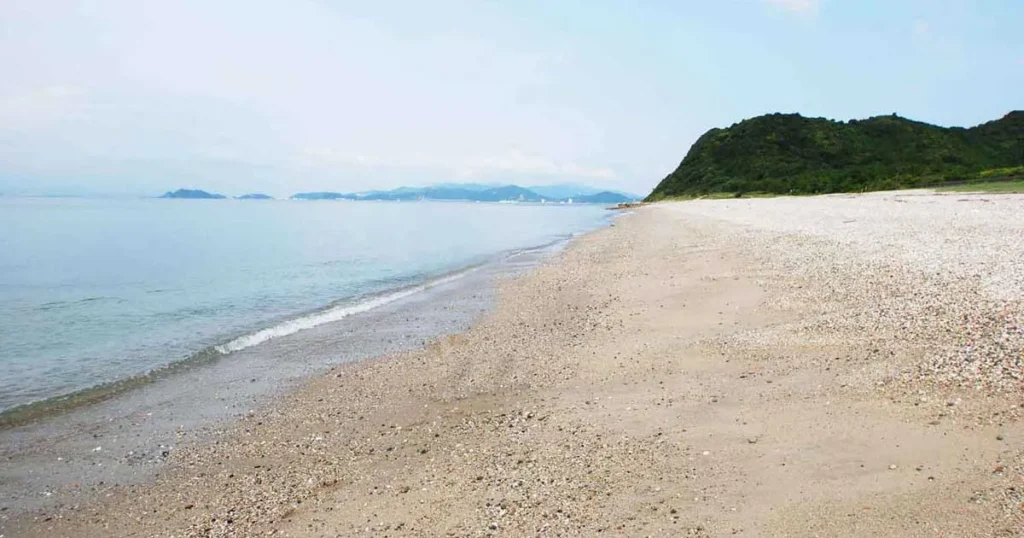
x: 828, y: 366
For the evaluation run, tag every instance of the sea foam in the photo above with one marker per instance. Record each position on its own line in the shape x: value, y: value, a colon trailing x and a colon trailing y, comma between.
x: 332, y: 314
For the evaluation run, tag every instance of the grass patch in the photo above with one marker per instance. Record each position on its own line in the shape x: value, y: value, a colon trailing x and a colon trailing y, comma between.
x: 1005, y: 187
x: 714, y: 196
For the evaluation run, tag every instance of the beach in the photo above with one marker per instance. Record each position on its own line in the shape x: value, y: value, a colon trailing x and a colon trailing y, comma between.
x: 846, y: 365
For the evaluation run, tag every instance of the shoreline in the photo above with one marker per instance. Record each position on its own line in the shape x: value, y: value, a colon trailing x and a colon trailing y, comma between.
x: 336, y: 311
x: 75, y: 336
x: 332, y: 312
x: 763, y: 367
x: 125, y: 437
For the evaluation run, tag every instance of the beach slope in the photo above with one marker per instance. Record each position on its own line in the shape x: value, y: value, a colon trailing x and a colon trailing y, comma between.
x: 828, y: 366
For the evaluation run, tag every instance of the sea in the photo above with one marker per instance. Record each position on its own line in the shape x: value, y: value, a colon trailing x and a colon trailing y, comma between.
x: 98, y: 296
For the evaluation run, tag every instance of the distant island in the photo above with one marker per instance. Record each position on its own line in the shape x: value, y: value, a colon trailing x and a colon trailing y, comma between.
x: 564, y: 191
x: 791, y: 154
x: 323, y: 196
x: 193, y: 194
x: 467, y: 192
x: 472, y: 192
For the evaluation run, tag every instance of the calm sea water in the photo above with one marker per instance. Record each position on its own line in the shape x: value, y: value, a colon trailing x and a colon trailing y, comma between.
x: 94, y: 291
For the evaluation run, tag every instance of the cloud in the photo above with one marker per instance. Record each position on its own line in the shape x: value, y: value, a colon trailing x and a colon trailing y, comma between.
x: 922, y: 29
x: 801, y: 7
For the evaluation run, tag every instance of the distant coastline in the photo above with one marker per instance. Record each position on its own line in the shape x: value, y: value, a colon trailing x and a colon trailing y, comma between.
x: 465, y: 192
x: 198, y: 194
x: 508, y: 193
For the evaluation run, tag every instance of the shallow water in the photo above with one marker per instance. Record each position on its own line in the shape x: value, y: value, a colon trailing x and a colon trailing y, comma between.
x: 72, y: 457
x: 97, y: 291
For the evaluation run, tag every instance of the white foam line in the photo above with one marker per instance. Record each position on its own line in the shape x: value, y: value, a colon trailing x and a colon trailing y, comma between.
x: 330, y: 315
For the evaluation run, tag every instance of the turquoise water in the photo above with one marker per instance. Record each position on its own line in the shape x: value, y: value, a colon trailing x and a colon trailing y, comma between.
x: 94, y: 291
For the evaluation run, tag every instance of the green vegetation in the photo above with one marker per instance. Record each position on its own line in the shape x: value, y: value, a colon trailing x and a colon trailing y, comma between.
x: 713, y: 196
x: 790, y: 154
x: 1004, y: 187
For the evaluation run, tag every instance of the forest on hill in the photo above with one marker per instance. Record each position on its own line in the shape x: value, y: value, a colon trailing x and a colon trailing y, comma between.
x: 791, y: 154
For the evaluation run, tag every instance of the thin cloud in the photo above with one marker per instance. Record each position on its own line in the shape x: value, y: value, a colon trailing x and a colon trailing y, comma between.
x: 922, y: 29
x: 37, y: 108
x: 800, y: 7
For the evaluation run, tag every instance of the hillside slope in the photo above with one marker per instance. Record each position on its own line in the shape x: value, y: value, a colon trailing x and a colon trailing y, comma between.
x: 788, y: 153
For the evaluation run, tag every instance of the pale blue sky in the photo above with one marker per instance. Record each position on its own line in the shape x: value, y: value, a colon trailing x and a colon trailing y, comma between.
x: 139, y: 97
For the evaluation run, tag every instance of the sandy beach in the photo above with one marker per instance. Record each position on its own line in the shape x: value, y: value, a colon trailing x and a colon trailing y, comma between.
x: 823, y: 366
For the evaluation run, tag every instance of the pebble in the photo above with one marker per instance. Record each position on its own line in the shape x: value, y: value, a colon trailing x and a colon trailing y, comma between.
x: 943, y: 274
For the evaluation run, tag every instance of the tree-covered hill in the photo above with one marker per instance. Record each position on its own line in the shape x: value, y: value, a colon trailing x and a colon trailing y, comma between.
x: 788, y: 153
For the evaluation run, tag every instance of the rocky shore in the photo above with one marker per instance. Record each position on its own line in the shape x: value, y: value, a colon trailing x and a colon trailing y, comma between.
x: 826, y: 366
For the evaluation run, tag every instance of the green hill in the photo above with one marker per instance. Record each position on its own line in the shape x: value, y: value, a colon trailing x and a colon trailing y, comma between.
x: 788, y: 153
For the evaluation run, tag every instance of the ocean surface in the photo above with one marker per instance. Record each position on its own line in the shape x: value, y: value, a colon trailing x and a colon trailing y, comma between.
x: 95, y: 293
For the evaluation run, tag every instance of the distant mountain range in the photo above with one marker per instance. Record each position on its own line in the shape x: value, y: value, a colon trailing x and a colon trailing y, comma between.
x: 196, y: 194
x: 572, y: 190
x: 474, y: 192
x: 471, y: 192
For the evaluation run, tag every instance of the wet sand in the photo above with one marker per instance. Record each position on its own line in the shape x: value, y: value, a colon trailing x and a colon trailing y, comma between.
x: 67, y: 457
x: 828, y: 366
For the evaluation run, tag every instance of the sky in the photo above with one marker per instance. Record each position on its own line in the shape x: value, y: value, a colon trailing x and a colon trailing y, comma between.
x: 137, y: 97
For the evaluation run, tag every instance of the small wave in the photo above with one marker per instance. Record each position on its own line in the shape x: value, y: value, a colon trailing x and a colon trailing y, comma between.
x: 23, y: 413
x: 55, y: 305
x: 551, y: 247
x: 335, y: 313
x: 26, y: 412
